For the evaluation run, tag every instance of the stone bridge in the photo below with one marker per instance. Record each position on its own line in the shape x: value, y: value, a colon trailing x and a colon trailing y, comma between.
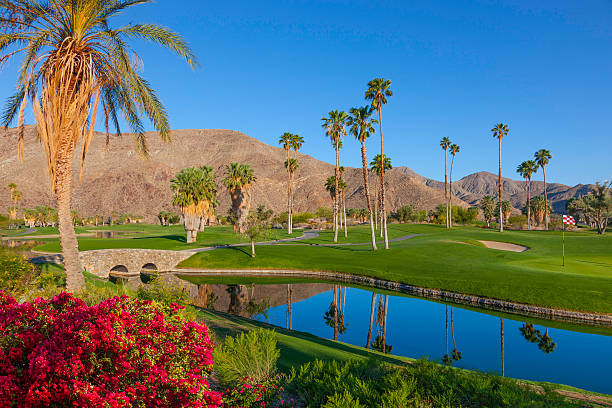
x: 124, y: 263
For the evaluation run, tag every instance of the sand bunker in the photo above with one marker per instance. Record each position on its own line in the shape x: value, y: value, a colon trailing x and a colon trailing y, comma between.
x: 504, y: 246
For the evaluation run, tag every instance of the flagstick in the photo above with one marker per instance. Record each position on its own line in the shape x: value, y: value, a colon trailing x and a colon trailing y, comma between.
x: 563, y: 245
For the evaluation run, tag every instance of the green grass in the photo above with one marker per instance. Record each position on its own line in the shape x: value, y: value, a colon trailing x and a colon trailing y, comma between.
x: 158, y: 237
x: 439, y: 259
x: 295, y: 347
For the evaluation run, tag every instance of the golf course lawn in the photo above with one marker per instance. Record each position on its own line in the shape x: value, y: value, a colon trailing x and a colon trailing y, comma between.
x: 439, y: 258
x: 157, y: 237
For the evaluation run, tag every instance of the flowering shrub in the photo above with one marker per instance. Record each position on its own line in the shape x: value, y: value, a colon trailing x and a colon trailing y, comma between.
x: 247, y: 393
x: 120, y: 353
x: 16, y: 274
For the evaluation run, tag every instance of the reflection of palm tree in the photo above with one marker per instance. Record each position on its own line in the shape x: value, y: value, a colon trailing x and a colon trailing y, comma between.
x: 372, y: 308
x: 502, y: 347
x: 289, y: 307
x: 456, y: 354
x: 546, y: 343
x: 530, y: 333
x: 446, y: 359
x: 384, y: 337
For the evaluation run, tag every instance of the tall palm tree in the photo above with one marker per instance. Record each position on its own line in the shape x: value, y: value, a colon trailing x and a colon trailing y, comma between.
x: 343, y: 186
x: 285, y: 141
x: 378, y: 91
x: 377, y: 166
x: 296, y: 144
x: 454, y: 149
x: 72, y: 61
x: 361, y: 127
x: 238, y: 180
x: 291, y: 165
x: 499, y: 131
x: 526, y: 170
x: 542, y: 157
x: 335, y: 128
x: 195, y: 193
x: 445, y: 143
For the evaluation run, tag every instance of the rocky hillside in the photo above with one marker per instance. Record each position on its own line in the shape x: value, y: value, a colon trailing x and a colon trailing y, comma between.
x: 118, y: 180
x: 473, y: 187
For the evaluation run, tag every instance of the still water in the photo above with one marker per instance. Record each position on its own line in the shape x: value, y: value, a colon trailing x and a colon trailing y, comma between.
x: 560, y: 353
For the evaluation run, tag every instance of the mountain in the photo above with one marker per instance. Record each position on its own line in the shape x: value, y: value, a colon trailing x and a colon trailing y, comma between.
x: 473, y: 187
x: 119, y: 181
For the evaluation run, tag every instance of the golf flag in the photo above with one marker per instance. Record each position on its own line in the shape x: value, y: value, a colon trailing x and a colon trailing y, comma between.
x: 569, y: 220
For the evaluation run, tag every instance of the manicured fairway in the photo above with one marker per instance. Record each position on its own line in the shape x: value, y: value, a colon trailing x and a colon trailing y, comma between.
x: 440, y: 259
x: 157, y: 237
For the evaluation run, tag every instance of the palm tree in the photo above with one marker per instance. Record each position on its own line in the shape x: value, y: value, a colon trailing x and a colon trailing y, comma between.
x: 526, y: 170
x: 378, y: 91
x: 195, y: 193
x: 291, y: 165
x: 296, y: 144
x: 445, y: 143
x: 361, y: 128
x: 546, y: 343
x: 330, y: 186
x: 454, y: 149
x: 543, y: 157
x: 343, y: 186
x: 285, y: 142
x: 376, y: 165
x: 372, y: 309
x: 238, y: 180
x: 73, y: 60
x: 487, y: 204
x: 499, y: 131
x: 335, y: 128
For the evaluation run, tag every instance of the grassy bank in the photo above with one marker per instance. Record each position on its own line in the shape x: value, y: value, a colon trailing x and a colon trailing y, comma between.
x: 442, y: 259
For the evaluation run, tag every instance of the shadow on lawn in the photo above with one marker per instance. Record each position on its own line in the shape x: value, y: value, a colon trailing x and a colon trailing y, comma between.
x: 290, y: 354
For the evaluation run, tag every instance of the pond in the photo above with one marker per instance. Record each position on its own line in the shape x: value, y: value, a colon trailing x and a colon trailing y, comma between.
x: 464, y: 337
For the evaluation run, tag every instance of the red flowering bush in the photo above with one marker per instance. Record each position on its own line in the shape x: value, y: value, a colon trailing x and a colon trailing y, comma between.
x: 122, y: 352
x: 248, y: 393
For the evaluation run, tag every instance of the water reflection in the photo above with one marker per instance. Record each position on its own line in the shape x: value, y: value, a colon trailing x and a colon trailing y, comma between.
x: 417, y: 327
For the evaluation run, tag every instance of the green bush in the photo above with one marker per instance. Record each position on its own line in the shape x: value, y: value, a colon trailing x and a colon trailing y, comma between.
x: 373, y: 384
x: 250, y: 355
x: 17, y: 275
x: 165, y: 294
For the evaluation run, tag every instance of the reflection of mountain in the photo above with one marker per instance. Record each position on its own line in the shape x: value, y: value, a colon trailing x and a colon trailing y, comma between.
x: 276, y: 294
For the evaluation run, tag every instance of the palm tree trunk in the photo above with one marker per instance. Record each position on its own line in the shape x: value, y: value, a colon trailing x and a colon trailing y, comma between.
x: 344, y: 214
x: 364, y: 162
x: 450, y: 194
x: 372, y: 309
x: 499, y: 195
x: 529, y: 204
x: 70, y: 247
x: 453, y: 330
x: 376, y: 203
x: 382, y: 180
x: 502, y: 347
x: 545, y: 200
x: 337, y: 174
x: 384, y: 330
x: 252, y: 248
x: 446, y: 186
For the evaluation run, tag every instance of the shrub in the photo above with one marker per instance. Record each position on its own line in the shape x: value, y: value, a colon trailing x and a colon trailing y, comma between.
x: 247, y: 393
x: 121, y: 353
x: 373, y: 384
x: 518, y: 221
x: 16, y: 274
x: 251, y: 355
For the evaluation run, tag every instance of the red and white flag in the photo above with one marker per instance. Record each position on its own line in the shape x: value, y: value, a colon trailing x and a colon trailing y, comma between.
x: 569, y: 220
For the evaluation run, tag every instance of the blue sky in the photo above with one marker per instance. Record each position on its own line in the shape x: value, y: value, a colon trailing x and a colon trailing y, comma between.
x: 457, y: 67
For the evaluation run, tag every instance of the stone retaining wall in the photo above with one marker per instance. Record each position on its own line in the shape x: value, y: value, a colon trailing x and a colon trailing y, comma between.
x: 459, y: 298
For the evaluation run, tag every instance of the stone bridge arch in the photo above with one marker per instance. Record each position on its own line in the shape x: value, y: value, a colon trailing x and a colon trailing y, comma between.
x: 130, y: 262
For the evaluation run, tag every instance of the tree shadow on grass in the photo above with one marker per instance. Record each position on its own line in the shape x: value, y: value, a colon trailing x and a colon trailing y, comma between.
x: 292, y: 352
x: 240, y: 249
x: 173, y: 237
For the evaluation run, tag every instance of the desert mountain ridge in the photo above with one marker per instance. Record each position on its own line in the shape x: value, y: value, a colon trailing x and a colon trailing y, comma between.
x: 118, y: 180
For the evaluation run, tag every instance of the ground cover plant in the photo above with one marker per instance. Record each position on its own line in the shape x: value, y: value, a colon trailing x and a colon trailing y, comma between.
x: 446, y: 259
